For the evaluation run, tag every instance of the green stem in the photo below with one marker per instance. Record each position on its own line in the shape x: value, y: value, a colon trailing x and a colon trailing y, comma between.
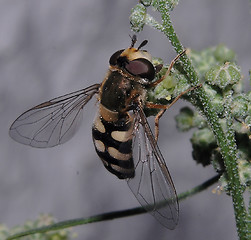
x: 199, y: 188
x: 226, y: 140
x: 232, y: 172
x: 168, y: 30
x: 249, y: 213
x: 110, y: 215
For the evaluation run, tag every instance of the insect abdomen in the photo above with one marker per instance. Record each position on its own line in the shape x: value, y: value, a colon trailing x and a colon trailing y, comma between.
x: 113, y: 144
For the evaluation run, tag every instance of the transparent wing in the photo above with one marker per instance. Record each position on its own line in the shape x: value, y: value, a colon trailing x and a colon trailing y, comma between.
x: 152, y: 184
x: 53, y: 122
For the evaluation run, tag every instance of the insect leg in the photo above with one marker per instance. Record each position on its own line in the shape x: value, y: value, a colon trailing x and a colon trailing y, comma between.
x: 165, y: 107
x: 169, y: 69
x: 156, y: 121
x: 157, y: 117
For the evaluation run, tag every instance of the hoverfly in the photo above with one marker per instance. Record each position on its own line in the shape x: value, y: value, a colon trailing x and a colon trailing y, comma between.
x: 121, y: 134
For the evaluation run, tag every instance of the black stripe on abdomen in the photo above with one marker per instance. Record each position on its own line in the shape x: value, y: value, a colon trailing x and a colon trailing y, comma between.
x: 113, y: 144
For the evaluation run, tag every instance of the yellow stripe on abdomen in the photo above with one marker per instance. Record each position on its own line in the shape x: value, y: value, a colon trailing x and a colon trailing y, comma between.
x: 113, y: 144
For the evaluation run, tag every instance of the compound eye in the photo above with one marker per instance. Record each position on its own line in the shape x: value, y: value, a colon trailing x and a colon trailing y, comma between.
x: 141, y: 67
x: 114, y: 57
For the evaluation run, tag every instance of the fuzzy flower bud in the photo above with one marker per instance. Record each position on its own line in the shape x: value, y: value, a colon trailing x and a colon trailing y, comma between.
x: 224, y: 54
x: 137, y: 18
x: 223, y: 75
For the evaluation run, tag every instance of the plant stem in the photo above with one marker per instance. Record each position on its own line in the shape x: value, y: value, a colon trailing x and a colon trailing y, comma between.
x: 226, y: 141
x: 249, y: 213
x: 110, y: 215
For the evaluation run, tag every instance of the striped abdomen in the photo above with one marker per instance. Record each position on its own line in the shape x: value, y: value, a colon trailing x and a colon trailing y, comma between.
x: 113, y: 144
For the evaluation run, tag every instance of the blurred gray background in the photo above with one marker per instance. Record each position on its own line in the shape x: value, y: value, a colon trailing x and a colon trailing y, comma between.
x: 52, y: 47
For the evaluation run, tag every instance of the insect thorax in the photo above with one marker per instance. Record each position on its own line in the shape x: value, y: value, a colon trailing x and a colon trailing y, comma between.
x: 119, y: 92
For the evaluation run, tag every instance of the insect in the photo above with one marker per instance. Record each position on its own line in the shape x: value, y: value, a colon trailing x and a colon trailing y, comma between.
x: 121, y: 134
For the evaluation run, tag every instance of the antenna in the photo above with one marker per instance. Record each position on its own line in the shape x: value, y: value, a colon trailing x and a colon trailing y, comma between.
x: 142, y: 44
x: 134, y: 40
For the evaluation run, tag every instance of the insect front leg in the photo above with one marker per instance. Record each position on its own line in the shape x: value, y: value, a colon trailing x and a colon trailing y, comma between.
x: 168, y: 70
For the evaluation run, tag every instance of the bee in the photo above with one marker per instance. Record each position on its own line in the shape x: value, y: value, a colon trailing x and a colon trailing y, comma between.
x: 121, y: 134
